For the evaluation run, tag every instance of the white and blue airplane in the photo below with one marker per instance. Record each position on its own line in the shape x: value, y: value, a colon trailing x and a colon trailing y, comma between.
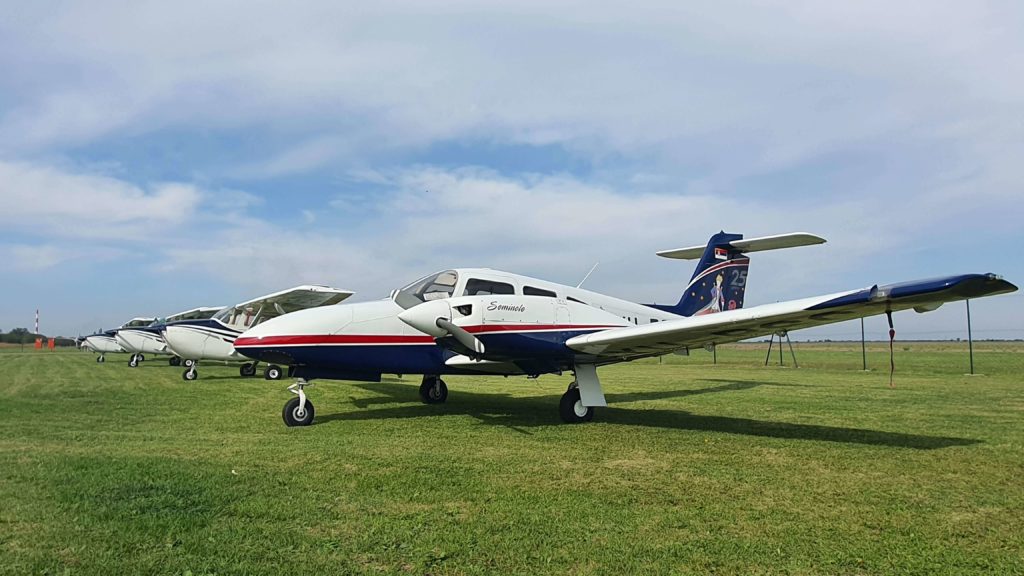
x: 105, y: 342
x: 483, y: 321
x: 212, y: 338
x: 142, y: 340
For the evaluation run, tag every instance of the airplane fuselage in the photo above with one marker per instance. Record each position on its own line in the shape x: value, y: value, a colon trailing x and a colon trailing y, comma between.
x: 364, y: 340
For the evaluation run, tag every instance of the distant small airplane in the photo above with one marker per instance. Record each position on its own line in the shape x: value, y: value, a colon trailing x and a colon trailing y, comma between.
x: 483, y: 321
x: 213, y: 338
x: 142, y: 340
x: 105, y: 342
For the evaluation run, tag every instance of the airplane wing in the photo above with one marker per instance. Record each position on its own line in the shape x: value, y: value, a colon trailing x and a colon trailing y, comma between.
x: 292, y: 299
x: 734, y: 325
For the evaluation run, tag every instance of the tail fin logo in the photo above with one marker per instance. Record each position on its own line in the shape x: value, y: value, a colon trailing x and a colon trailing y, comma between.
x: 721, y: 254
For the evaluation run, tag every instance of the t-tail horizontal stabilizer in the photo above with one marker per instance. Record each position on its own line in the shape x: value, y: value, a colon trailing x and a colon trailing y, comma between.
x: 720, y: 280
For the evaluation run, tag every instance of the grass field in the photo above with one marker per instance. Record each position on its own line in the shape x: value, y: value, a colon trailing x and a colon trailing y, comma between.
x: 695, y: 468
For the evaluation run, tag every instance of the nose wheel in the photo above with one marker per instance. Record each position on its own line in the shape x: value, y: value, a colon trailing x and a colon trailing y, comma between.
x: 101, y: 359
x: 190, y: 374
x: 433, y: 390
x: 189, y: 363
x: 134, y: 360
x: 299, y: 410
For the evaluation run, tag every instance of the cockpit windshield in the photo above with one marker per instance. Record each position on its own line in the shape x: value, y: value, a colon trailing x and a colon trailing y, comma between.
x: 225, y: 314
x: 434, y: 287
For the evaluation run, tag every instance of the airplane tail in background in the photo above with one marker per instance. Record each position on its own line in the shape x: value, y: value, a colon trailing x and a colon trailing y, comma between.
x: 720, y: 279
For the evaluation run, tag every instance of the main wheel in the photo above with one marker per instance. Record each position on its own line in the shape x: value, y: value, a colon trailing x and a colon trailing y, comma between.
x: 293, y: 416
x: 273, y: 372
x: 190, y: 374
x: 433, y: 391
x: 248, y: 369
x: 174, y: 361
x: 134, y: 361
x: 101, y: 359
x: 571, y: 408
x: 189, y: 363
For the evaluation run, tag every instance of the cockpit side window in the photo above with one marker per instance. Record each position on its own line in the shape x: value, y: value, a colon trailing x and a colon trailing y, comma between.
x: 434, y: 287
x: 478, y: 287
x: 531, y: 291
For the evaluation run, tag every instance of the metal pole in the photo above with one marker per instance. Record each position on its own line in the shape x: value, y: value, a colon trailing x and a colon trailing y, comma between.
x: 863, y: 346
x: 791, y: 352
x: 970, y: 339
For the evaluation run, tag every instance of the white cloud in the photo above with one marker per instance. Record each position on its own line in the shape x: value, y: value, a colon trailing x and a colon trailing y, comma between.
x: 45, y: 200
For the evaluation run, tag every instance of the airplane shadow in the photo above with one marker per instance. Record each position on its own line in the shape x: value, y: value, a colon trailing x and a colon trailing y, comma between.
x: 519, y: 414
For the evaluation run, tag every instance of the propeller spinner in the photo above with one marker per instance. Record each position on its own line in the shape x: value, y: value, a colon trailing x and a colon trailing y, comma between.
x: 435, y: 318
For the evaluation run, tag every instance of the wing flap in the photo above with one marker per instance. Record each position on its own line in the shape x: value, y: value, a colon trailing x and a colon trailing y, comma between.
x: 735, y: 325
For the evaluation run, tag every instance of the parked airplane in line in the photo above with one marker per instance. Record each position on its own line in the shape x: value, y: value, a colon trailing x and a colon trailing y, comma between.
x: 142, y: 340
x: 105, y: 341
x: 213, y: 338
x: 482, y: 321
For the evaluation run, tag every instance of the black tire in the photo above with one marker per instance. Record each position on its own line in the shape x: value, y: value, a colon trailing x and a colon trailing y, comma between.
x: 100, y: 359
x: 291, y: 416
x: 247, y: 370
x: 133, y: 361
x: 188, y: 363
x: 572, y: 410
x: 273, y: 372
x: 433, y: 394
x: 140, y: 357
x: 190, y: 374
x: 174, y: 361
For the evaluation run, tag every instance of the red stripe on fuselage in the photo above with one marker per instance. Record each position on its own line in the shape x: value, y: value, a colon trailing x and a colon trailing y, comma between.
x: 392, y: 339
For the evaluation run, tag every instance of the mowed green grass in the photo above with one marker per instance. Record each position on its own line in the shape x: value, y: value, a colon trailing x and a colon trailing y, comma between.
x: 694, y: 468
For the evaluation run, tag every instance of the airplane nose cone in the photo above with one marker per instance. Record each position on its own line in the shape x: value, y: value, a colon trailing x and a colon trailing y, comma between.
x: 424, y: 317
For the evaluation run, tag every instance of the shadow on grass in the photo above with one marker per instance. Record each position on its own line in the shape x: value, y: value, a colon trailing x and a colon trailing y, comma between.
x: 500, y: 409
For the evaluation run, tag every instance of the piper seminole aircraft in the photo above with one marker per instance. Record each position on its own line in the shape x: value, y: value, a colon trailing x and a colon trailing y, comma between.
x: 212, y: 338
x: 105, y: 342
x: 142, y: 340
x: 482, y: 321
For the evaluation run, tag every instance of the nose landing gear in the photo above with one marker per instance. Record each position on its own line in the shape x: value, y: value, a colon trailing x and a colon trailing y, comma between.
x: 433, y: 390
x: 299, y: 410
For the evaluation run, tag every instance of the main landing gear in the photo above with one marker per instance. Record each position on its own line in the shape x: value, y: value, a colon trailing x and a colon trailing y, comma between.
x: 433, y: 390
x: 299, y: 410
x: 248, y: 370
x: 578, y: 402
x: 273, y: 372
x: 174, y: 361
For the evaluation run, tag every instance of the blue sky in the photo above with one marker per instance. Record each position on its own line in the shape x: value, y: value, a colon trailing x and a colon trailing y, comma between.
x: 156, y: 157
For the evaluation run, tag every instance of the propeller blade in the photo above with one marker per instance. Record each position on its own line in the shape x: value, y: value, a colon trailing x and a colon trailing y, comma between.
x: 465, y: 338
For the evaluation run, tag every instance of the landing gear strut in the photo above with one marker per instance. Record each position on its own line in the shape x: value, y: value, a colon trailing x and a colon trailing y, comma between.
x: 433, y: 390
x: 247, y: 370
x: 578, y: 402
x: 299, y: 410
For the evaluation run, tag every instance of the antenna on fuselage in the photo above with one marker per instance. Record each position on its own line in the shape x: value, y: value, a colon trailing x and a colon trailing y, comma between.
x: 588, y: 274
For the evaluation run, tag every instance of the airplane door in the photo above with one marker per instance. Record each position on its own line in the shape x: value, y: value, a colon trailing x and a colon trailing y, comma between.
x: 562, y: 315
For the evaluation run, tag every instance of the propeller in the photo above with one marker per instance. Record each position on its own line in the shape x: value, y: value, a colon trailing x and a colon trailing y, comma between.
x: 462, y: 336
x: 434, y: 318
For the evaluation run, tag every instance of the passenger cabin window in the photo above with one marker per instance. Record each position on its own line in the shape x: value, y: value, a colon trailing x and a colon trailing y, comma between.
x: 531, y: 291
x: 478, y: 287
